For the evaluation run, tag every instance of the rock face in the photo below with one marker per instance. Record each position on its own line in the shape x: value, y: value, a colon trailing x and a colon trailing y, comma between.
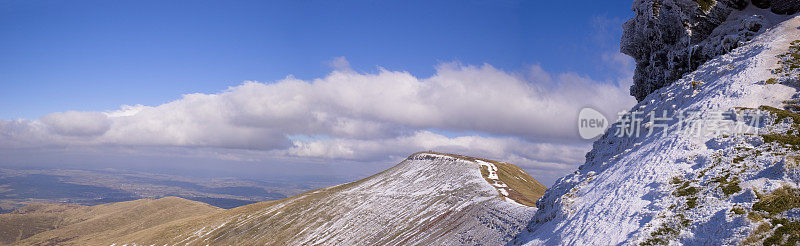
x: 670, y: 38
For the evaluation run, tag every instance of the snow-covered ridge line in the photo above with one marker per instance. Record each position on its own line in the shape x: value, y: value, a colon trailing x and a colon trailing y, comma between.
x: 512, y: 183
x: 429, y: 155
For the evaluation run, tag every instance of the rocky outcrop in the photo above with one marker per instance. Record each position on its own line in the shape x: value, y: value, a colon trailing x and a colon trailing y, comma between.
x: 669, y: 38
x: 785, y: 7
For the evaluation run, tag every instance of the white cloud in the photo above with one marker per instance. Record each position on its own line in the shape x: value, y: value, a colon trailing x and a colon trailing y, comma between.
x: 359, y: 116
x: 340, y: 63
x: 73, y: 123
x: 495, y: 147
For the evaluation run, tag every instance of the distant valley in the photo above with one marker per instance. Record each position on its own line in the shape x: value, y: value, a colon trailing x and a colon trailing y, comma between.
x: 91, y: 187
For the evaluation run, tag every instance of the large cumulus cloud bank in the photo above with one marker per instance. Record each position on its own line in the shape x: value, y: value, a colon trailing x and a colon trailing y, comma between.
x: 526, y: 117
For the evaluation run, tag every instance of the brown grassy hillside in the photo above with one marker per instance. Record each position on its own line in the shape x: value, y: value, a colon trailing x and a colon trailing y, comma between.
x: 61, y: 224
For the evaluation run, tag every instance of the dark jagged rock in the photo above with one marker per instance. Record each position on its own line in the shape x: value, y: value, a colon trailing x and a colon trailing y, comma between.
x: 785, y: 7
x: 669, y: 38
x: 764, y: 4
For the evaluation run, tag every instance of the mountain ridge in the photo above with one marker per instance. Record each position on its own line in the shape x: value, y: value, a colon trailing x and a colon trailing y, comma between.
x: 429, y: 198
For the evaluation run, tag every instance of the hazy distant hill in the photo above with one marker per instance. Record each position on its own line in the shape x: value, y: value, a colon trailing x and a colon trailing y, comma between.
x: 93, y: 187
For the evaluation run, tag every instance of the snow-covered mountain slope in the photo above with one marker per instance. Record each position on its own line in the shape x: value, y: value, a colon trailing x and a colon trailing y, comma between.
x: 430, y: 198
x: 696, y: 184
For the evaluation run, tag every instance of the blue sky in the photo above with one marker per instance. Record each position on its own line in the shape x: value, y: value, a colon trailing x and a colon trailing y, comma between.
x: 349, y: 86
x: 98, y: 55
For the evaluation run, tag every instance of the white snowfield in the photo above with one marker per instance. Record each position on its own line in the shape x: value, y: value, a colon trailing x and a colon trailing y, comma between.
x: 427, y: 199
x: 631, y: 189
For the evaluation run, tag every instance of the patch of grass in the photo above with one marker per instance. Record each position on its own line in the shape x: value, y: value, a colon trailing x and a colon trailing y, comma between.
x: 779, y: 201
x: 731, y: 189
x: 787, y: 138
x: 655, y: 241
x: 696, y: 84
x: 790, y: 61
x: 706, y: 5
x: 686, y: 190
x: 771, y: 81
x: 523, y: 188
x: 756, y: 235
x: 755, y: 217
x: 664, y: 230
x: 658, y: 236
x: 786, y: 233
x: 728, y: 185
x: 691, y: 202
x: 792, y: 107
x: 793, y: 141
x: 792, y: 101
x: 667, y: 230
x: 781, y: 114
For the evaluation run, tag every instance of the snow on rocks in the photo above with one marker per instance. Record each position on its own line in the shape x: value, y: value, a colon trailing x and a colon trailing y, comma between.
x: 681, y: 187
x: 670, y: 38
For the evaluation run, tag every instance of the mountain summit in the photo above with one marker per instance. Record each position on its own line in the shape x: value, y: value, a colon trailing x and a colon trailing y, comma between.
x: 429, y: 198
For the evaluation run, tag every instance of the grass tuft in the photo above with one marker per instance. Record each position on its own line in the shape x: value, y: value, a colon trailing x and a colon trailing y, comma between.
x: 696, y: 84
x: 782, y: 114
x: 705, y: 5
x: 779, y: 201
x: 793, y: 141
x: 786, y: 233
x: 771, y: 81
